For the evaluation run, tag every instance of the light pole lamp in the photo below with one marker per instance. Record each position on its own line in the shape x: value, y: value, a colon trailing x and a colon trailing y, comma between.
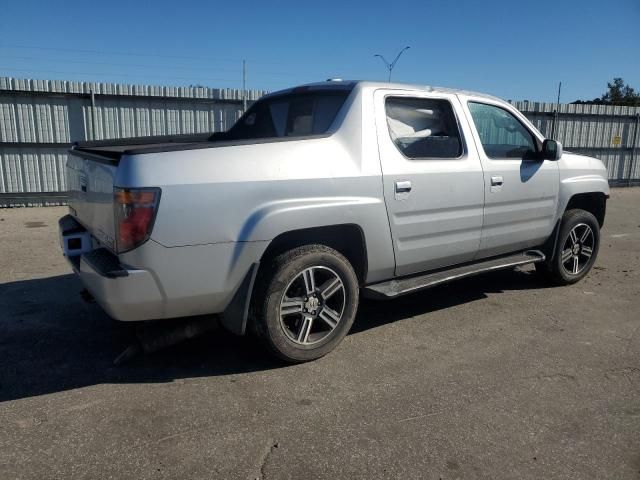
x: 392, y: 64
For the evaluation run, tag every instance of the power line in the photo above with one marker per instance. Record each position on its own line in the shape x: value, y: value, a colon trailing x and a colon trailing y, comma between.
x: 104, y: 52
x: 108, y: 74
x: 84, y: 62
x: 136, y: 54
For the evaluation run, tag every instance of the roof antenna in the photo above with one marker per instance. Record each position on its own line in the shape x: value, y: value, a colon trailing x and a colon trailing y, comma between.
x: 391, y: 65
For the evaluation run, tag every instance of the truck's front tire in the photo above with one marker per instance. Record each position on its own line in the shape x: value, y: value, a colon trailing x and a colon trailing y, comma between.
x: 306, y: 302
x: 576, y: 248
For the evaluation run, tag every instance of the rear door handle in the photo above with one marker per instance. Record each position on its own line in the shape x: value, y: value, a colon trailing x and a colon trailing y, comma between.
x: 403, y: 186
x: 497, y: 181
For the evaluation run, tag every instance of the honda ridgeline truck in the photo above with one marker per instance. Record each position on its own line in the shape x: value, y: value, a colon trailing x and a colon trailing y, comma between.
x: 320, y: 194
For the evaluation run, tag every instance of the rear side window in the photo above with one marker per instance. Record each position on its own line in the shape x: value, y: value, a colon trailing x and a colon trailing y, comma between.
x: 423, y: 127
x: 502, y: 135
x: 293, y: 115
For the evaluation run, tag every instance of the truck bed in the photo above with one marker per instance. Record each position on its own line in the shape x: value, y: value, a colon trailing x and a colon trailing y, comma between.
x: 112, y: 150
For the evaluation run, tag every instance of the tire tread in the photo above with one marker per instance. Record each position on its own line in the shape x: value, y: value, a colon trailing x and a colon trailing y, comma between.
x: 552, y: 270
x: 267, y: 286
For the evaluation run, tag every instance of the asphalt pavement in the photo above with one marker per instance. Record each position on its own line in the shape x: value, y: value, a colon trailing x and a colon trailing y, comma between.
x: 498, y: 376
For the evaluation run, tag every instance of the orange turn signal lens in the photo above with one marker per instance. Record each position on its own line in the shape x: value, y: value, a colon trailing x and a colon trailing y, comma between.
x: 130, y: 196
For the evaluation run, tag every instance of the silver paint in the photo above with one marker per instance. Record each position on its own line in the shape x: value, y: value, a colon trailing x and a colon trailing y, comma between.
x: 222, y: 206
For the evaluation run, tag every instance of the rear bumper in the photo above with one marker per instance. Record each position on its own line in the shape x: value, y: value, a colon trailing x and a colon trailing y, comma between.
x: 154, y: 282
x: 126, y: 294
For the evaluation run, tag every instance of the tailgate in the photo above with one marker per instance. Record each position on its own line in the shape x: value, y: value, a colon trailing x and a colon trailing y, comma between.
x: 91, y: 172
x: 90, y: 180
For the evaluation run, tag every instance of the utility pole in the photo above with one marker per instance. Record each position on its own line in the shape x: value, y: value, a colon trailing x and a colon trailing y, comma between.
x: 555, y: 113
x: 559, y: 88
x: 391, y: 65
x: 244, y: 86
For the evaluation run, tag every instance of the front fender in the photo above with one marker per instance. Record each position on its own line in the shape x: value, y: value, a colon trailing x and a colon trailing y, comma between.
x: 580, y: 174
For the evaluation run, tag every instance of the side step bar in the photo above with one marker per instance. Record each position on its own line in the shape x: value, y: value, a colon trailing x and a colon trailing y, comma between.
x: 402, y: 286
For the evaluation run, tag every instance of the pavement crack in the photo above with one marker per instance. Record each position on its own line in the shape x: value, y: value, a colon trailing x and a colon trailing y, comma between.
x: 178, y: 435
x: 266, y: 453
x: 425, y: 415
x: 630, y: 373
x: 552, y: 376
x: 633, y: 370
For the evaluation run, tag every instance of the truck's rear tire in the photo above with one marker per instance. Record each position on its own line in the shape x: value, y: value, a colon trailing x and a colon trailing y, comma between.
x: 576, y: 249
x: 305, y: 303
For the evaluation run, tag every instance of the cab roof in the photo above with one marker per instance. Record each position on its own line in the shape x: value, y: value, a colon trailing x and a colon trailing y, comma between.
x: 350, y: 84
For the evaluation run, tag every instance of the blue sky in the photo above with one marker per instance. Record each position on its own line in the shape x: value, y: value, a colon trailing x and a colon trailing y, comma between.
x: 513, y: 49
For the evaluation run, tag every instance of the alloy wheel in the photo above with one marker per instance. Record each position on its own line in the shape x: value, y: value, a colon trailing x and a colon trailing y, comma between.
x: 312, y: 305
x: 577, y: 249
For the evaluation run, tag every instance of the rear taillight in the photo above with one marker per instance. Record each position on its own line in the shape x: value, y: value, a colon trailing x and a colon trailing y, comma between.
x: 135, y: 212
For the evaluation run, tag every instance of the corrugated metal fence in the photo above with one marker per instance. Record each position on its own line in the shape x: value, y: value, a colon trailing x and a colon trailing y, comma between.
x: 39, y: 119
x: 610, y: 133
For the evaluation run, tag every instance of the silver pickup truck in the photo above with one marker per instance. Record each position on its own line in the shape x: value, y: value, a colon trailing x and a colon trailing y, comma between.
x: 319, y: 194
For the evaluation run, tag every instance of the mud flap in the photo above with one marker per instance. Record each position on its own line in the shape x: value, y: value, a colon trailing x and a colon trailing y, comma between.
x: 235, y: 316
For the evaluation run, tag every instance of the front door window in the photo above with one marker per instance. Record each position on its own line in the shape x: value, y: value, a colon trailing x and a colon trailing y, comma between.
x: 503, y: 136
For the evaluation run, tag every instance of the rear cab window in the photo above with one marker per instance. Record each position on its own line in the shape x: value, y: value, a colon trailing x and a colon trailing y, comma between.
x: 290, y: 115
x: 423, y: 127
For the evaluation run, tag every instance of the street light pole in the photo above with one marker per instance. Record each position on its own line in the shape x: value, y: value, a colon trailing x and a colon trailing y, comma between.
x: 391, y: 65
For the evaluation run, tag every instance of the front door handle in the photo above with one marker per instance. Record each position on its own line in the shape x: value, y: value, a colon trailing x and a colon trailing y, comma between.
x: 497, y: 181
x: 403, y: 186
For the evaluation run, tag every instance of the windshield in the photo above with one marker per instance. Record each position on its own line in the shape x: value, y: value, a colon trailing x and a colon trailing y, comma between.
x: 290, y: 115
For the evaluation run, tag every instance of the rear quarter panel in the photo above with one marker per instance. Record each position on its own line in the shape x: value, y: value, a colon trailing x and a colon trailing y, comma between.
x: 252, y: 193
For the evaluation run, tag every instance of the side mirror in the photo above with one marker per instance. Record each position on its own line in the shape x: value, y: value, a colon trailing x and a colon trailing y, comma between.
x: 551, y: 150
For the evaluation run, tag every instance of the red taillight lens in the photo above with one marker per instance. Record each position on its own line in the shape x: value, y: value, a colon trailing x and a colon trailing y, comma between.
x: 135, y: 211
